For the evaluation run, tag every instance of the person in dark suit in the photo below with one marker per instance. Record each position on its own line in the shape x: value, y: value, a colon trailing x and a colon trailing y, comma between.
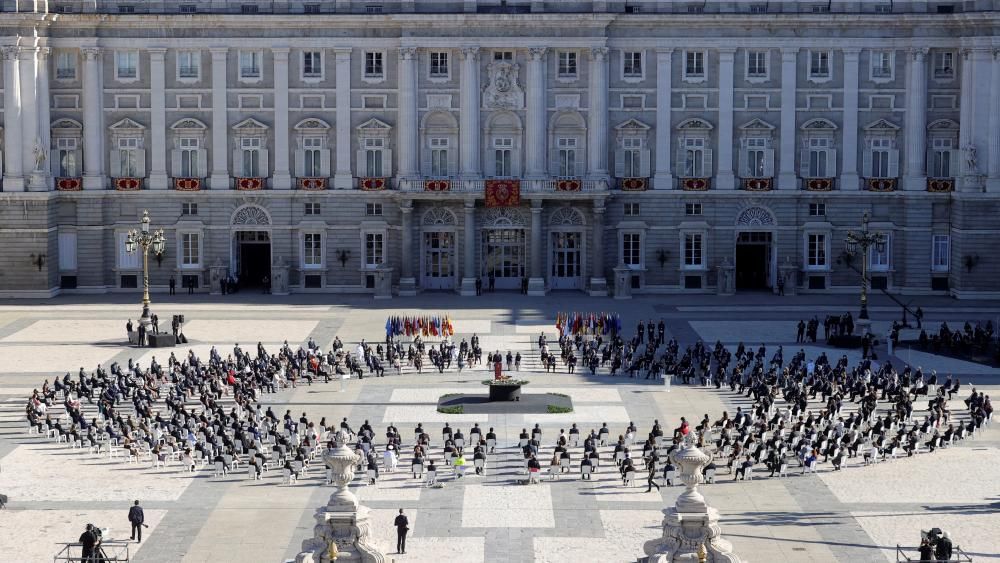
x: 492, y: 280
x: 88, y: 541
x: 142, y: 335
x: 402, y: 524
x: 191, y: 286
x: 137, y: 518
x: 479, y: 286
x: 155, y: 321
x: 173, y: 286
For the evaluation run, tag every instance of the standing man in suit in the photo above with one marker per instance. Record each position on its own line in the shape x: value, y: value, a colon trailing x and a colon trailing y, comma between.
x: 136, y: 517
x: 173, y: 286
x: 402, y: 524
x: 142, y: 335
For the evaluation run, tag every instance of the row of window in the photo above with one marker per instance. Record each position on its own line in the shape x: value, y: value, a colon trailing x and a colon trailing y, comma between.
x: 817, y: 252
x: 309, y: 208
x: 694, y: 65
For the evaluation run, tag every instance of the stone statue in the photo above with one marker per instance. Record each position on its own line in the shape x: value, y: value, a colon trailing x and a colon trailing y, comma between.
x: 971, y: 159
x: 40, y: 156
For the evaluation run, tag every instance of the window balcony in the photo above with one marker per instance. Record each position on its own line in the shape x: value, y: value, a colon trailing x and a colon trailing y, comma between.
x: 633, y: 184
x: 819, y: 184
x: 250, y: 184
x: 311, y: 183
x: 187, y: 184
x: 940, y: 185
x: 880, y: 184
x: 127, y: 184
x: 69, y: 184
x: 695, y: 184
x: 757, y: 184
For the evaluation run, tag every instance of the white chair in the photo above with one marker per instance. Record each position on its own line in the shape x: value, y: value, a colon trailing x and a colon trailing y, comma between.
x: 553, y: 472
x: 782, y: 470
x: 523, y: 442
x: 480, y: 464
x: 372, y: 476
x: 431, y: 478
x: 220, y: 469
x: 287, y: 477
x: 460, y: 443
x: 710, y: 476
x: 329, y: 476
x: 630, y: 437
x: 564, y: 464
x: 251, y: 472
x: 630, y: 478
x: 586, y: 471
x: 491, y: 444
x: 748, y: 475
x: 417, y: 469
x: 533, y: 476
x: 297, y: 468
x: 389, y: 460
x: 812, y: 467
x: 574, y: 440
x: 671, y: 476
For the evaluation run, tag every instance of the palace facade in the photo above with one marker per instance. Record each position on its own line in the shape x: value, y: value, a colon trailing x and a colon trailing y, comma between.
x: 393, y: 147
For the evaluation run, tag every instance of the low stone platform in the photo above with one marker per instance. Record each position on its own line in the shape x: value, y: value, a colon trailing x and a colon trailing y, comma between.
x: 530, y: 403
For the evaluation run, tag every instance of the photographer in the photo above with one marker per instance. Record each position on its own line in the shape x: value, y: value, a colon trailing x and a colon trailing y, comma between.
x: 90, y: 540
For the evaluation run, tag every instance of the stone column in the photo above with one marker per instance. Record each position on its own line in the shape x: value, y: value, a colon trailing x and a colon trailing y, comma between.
x: 42, y: 180
x: 220, y: 121
x: 409, y: 138
x: 993, y: 133
x: 93, y: 133
x: 966, y: 125
x: 158, y: 176
x: 662, y: 179
x: 597, y: 113
x: 849, y: 179
x: 282, y: 179
x: 598, y: 282
x: 407, y: 283
x: 787, y: 177
x: 916, y: 121
x: 536, y: 281
x: 469, y: 273
x: 343, y: 178
x: 469, y: 126
x: 13, y: 174
x: 28, y: 68
x: 725, y: 179
x: 535, y: 145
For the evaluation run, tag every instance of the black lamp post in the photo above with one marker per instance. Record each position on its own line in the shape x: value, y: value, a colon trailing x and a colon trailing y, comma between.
x: 858, y: 242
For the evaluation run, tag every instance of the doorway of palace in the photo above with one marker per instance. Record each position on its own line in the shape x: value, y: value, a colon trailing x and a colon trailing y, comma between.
x: 566, y: 260
x: 753, y: 260
x: 438, y: 265
x: 252, y: 255
x: 504, y: 256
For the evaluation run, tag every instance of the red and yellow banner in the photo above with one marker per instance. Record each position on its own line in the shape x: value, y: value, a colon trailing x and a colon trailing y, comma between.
x: 437, y: 185
x: 187, y: 184
x: 503, y: 193
x: 371, y: 184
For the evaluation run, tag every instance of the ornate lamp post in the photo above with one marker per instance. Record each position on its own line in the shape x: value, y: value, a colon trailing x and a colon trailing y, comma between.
x: 858, y: 242
x: 145, y: 240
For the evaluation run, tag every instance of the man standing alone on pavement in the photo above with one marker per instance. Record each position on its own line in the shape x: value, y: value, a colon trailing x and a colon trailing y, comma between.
x: 136, y: 517
x: 402, y: 526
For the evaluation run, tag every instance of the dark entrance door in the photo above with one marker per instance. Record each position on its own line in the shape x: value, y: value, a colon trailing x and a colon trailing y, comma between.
x: 254, y: 255
x: 753, y: 261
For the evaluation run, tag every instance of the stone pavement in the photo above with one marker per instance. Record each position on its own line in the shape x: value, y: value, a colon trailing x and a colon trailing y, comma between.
x: 858, y: 514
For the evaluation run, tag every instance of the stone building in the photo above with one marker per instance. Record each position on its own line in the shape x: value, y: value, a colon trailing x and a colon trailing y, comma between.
x: 398, y: 146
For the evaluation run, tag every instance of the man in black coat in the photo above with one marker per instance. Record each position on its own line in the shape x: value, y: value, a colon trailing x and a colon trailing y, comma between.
x: 88, y: 541
x: 402, y: 524
x: 137, y: 518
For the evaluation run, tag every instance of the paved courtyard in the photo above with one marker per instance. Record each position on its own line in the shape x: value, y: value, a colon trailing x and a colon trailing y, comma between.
x: 857, y: 515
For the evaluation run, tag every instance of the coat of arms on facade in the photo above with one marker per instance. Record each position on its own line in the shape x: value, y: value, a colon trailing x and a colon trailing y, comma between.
x: 503, y: 91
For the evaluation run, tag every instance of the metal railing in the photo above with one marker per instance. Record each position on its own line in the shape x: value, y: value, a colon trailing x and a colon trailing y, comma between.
x: 479, y: 186
x: 108, y: 551
x: 957, y: 555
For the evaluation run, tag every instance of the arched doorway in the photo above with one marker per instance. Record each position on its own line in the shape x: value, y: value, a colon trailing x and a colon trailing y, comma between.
x: 566, y: 249
x: 437, y: 240
x: 756, y: 258
x: 503, y: 247
x: 250, y: 257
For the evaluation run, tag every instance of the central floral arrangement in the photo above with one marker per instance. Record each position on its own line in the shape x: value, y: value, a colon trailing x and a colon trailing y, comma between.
x: 505, y: 380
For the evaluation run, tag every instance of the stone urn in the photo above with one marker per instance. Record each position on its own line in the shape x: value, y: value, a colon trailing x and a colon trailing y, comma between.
x: 343, y: 529
x: 691, y: 525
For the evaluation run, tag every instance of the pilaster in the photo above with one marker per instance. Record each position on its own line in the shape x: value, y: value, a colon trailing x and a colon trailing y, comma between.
x: 916, y: 120
x: 407, y: 283
x: 343, y: 178
x: 282, y: 179
x: 409, y: 139
x: 787, y: 177
x: 469, y: 122
x: 993, y: 133
x: 41, y: 179
x: 536, y: 283
x: 726, y: 178
x: 662, y: 177
x: 469, y: 274
x: 13, y: 177
x: 93, y: 134
x: 598, y: 282
x: 597, y: 141
x: 220, y: 121
x: 158, y: 120
x: 849, y: 179
x: 32, y: 141
x: 535, y: 145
